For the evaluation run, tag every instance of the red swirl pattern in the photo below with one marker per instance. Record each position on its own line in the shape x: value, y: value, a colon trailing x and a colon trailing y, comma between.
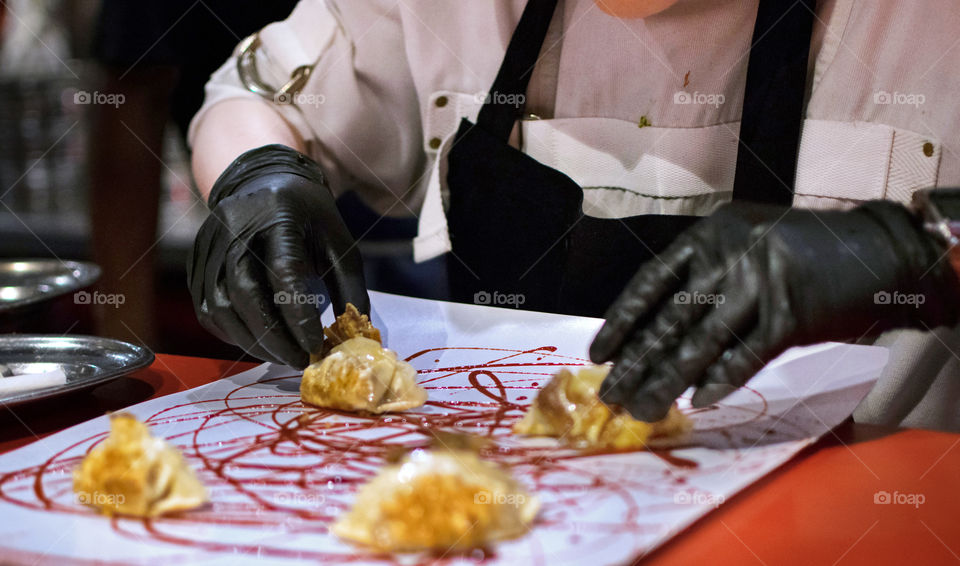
x: 280, y: 472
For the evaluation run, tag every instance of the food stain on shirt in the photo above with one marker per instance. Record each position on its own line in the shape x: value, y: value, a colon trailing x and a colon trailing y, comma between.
x: 644, y: 122
x: 686, y: 79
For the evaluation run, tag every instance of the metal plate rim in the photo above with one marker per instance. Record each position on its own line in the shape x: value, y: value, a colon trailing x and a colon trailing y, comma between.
x: 142, y: 357
x: 89, y: 273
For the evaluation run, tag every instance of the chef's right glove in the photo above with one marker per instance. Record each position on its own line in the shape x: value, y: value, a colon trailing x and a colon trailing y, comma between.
x: 741, y: 286
x: 273, y: 232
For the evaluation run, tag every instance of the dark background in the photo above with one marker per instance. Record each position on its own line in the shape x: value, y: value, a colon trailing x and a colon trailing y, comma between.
x: 111, y: 183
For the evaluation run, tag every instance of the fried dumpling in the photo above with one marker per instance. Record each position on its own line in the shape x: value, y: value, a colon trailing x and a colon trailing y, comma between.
x: 445, y: 499
x: 569, y: 408
x: 134, y: 473
x: 361, y: 375
x: 356, y: 373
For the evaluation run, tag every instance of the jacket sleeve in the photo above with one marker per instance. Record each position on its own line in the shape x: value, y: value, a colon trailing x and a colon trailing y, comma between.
x: 358, y: 112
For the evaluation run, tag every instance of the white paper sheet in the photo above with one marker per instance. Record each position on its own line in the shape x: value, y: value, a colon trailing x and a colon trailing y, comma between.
x: 279, y: 472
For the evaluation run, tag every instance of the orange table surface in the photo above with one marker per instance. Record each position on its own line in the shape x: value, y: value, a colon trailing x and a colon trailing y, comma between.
x: 818, y: 509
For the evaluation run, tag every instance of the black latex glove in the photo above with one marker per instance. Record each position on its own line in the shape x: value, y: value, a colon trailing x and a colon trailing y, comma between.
x: 273, y: 232
x: 743, y: 285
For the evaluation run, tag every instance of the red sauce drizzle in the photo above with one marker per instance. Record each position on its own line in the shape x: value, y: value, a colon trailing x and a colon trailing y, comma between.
x: 299, y: 467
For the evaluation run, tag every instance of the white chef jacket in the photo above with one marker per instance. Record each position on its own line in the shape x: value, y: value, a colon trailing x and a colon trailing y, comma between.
x: 642, y: 113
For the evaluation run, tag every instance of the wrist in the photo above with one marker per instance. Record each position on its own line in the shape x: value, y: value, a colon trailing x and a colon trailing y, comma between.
x: 888, y: 273
x: 939, y: 210
x: 928, y: 273
x: 250, y: 169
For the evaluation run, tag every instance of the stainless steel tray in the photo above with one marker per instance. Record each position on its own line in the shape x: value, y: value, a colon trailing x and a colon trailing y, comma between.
x: 86, y: 360
x: 24, y: 282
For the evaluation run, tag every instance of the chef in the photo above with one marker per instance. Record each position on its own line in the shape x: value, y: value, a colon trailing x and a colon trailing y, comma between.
x: 553, y: 148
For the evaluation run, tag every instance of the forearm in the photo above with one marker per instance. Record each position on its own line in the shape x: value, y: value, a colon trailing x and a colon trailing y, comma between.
x: 229, y: 129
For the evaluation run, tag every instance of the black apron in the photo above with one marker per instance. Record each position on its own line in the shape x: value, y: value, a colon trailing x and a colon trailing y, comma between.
x: 517, y: 226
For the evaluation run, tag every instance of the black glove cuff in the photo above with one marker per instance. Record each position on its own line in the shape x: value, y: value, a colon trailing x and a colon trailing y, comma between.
x: 264, y: 160
x: 927, y: 271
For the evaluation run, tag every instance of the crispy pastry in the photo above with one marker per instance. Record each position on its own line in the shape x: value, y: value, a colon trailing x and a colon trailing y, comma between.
x: 350, y: 324
x: 442, y: 499
x: 568, y: 408
x: 135, y: 473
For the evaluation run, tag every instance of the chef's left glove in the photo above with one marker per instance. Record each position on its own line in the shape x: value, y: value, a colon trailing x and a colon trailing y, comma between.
x: 743, y: 285
x: 273, y: 233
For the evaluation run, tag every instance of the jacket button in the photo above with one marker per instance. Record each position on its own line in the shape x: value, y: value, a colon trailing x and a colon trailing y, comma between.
x: 435, y: 143
x: 441, y: 101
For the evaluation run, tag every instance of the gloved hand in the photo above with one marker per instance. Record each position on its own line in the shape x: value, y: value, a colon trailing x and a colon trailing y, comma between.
x: 273, y: 232
x: 743, y: 285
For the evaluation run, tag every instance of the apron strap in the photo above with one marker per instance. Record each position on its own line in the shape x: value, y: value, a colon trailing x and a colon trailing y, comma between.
x: 773, y: 102
x: 517, y: 67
